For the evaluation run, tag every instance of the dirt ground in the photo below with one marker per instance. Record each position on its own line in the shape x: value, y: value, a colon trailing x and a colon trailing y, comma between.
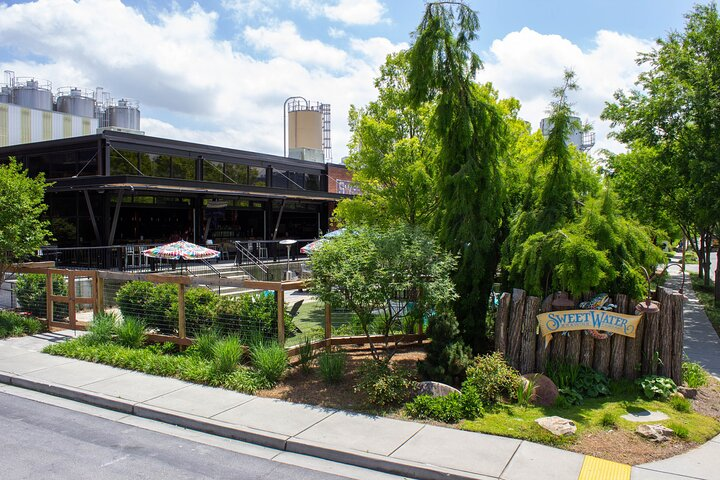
x: 612, y: 444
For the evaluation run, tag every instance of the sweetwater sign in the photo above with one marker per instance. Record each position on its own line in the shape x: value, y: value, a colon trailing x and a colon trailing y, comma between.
x: 569, y: 320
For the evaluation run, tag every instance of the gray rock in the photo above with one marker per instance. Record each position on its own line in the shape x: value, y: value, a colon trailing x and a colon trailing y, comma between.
x: 654, y: 433
x: 545, y: 392
x: 688, y: 392
x: 557, y: 425
x: 435, y: 389
x: 645, y: 416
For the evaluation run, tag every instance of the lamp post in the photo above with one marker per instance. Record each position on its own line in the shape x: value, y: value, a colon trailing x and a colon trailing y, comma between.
x: 288, y: 243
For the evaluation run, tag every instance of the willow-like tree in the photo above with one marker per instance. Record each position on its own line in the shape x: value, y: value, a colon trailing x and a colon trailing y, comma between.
x: 472, y: 135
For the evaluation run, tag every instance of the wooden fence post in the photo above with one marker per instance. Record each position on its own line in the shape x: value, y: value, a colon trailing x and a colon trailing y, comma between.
x: 99, y: 292
x: 587, y: 350
x: 572, y: 347
x: 665, y: 343
x: 281, y: 315
x: 328, y: 326
x: 515, y: 327
x: 529, y: 334
x: 501, y: 323
x: 633, y: 349
x: 617, y: 347
x: 650, y: 341
x: 181, y: 311
x: 48, y: 299
x: 71, y: 300
x: 540, y: 353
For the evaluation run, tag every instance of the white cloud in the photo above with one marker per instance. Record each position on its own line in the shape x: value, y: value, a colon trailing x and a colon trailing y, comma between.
x: 284, y: 41
x: 182, y: 74
x: 245, y: 9
x: 527, y: 65
x: 376, y: 49
x: 336, y: 32
x: 356, y: 12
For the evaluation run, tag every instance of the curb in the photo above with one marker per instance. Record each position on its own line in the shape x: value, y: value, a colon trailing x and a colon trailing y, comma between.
x: 245, y: 434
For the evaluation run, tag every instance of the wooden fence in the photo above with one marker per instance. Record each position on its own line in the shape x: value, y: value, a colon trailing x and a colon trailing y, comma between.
x: 97, y: 303
x: 656, y: 349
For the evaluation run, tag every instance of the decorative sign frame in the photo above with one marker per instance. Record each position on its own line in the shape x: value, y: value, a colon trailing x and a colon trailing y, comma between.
x: 569, y: 320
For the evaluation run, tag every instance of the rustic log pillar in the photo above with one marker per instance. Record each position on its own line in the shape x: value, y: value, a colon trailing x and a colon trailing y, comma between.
x: 601, y: 360
x: 650, y: 343
x: 678, y: 330
x: 665, y: 341
x: 529, y: 334
x: 515, y: 326
x: 587, y: 350
x: 633, y: 347
x: 540, y: 353
x: 501, y: 323
x: 617, y: 346
x: 573, y: 346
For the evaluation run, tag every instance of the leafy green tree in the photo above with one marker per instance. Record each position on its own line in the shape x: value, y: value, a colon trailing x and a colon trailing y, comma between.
x: 674, y: 115
x: 472, y: 135
x: 22, y: 229
x: 391, y: 155
x: 383, y: 275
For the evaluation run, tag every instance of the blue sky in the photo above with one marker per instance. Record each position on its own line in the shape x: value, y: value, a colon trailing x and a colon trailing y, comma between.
x: 218, y: 71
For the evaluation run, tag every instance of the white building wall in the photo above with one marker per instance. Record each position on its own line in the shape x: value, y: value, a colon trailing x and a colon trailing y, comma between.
x: 25, y: 125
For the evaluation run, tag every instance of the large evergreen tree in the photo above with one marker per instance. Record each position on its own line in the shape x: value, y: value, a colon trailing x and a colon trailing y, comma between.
x: 472, y: 135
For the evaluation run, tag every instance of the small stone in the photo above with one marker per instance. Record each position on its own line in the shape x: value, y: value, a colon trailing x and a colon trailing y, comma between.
x: 435, y: 389
x: 654, y: 433
x: 688, y: 392
x: 557, y: 425
x: 545, y: 392
x: 645, y: 416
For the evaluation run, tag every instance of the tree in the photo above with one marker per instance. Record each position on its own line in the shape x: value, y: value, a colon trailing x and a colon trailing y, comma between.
x: 22, y: 230
x: 674, y: 115
x: 383, y: 276
x: 391, y: 155
x: 472, y: 136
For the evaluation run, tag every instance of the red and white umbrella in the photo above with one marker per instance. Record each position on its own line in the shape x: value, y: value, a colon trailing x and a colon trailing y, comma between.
x: 312, y: 246
x: 181, y: 250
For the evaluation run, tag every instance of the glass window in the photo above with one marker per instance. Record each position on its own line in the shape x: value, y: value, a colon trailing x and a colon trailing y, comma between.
x: 183, y: 168
x: 239, y: 173
x: 213, y: 171
x: 279, y: 179
x: 257, y: 177
x: 312, y: 182
x: 87, y: 162
x: 296, y: 181
x: 123, y: 162
x: 161, y: 165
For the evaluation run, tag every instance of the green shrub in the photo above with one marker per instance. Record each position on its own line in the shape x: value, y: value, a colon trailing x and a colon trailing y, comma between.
x: 131, y: 333
x: 204, y: 344
x: 102, y: 328
x: 680, y: 431
x: 244, y: 380
x: 32, y: 325
x: 332, y: 366
x: 609, y: 419
x: 568, y: 397
x: 493, y: 378
x: 132, y: 296
x: 227, y: 354
x: 654, y: 386
x: 525, y: 392
x: 270, y: 361
x: 200, y: 307
x: 694, y: 375
x: 31, y: 295
x: 450, y: 408
x: 306, y: 353
x: 158, y: 312
x: 680, y: 403
x: 249, y: 313
x: 383, y: 384
x: 575, y: 382
x: 15, y: 325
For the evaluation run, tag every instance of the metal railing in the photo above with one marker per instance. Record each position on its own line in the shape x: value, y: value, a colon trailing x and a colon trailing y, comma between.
x: 244, y: 253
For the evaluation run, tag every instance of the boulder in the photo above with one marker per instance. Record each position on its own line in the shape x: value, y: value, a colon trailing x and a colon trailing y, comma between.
x: 654, y: 433
x: 435, y: 389
x: 688, y: 392
x: 545, y: 392
x: 557, y: 425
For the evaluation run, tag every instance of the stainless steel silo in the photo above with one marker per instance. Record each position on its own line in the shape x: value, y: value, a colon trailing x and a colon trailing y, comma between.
x: 76, y: 102
x: 5, y: 95
x: 31, y: 93
x: 125, y: 114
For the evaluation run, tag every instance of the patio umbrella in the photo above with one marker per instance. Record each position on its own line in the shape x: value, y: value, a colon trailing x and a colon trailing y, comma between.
x: 180, y: 250
x: 312, y: 246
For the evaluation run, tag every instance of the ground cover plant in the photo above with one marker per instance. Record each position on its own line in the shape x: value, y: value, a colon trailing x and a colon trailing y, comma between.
x: 15, y: 325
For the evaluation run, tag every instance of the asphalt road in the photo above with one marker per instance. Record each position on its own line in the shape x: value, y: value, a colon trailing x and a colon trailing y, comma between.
x: 41, y: 441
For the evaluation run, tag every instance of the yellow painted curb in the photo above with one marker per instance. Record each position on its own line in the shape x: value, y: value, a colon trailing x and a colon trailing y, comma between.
x: 598, y: 469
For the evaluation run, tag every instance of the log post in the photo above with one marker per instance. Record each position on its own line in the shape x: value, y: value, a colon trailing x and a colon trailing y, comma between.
x: 540, y: 353
x: 601, y: 360
x: 587, y: 350
x: 182, y: 333
x: 650, y: 342
x: 515, y: 327
x: 678, y: 330
x: 48, y: 299
x: 529, y: 334
x: 633, y: 347
x: 501, y: 323
x: 665, y: 341
x: 572, y: 347
x: 617, y: 346
x: 557, y: 352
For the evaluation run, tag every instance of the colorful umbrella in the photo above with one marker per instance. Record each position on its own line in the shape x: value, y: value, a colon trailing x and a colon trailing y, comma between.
x: 181, y: 250
x: 312, y: 246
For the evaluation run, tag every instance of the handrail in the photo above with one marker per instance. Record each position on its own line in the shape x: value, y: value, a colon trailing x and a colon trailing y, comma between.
x: 212, y: 269
x: 249, y: 255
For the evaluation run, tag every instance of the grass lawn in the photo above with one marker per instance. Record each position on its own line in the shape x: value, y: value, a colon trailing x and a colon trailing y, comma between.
x: 707, y: 298
x: 310, y: 320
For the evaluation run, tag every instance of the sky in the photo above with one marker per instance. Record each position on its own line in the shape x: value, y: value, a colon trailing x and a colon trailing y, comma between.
x: 218, y: 72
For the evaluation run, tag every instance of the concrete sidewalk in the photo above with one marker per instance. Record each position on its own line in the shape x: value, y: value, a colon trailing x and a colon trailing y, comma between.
x: 414, y: 450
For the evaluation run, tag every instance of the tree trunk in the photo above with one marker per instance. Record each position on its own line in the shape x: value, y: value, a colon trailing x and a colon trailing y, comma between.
x: 665, y: 344
x: 717, y: 278
x: 501, y: 323
x: 515, y: 327
x: 529, y: 329
x: 617, y: 347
